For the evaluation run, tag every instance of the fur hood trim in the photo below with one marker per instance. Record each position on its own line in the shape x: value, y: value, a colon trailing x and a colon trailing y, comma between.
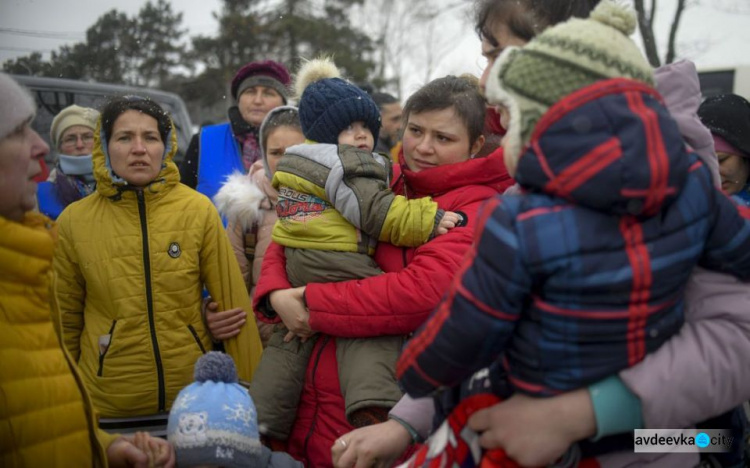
x: 239, y: 200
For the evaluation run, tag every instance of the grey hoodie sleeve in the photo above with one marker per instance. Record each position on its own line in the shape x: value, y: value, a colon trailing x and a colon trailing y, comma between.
x: 704, y: 370
x: 416, y: 412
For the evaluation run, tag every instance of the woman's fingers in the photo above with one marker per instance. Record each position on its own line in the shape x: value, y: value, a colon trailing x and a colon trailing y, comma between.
x: 225, y: 324
x: 227, y: 317
x: 344, y: 456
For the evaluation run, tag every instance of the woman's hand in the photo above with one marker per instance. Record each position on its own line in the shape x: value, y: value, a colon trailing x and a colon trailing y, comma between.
x: 536, y: 431
x: 222, y: 325
x: 378, y: 445
x: 140, y: 451
x: 289, y: 304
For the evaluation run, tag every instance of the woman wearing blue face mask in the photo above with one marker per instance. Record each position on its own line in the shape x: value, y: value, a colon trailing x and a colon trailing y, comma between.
x: 72, y: 136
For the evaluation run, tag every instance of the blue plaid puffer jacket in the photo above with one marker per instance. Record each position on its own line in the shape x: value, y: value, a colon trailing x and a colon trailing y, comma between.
x: 584, y: 274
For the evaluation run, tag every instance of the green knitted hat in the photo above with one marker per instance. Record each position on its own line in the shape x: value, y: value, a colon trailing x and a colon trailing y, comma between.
x: 561, y: 60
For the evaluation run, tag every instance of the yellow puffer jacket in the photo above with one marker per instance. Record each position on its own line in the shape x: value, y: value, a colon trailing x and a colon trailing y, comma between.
x: 46, y: 416
x: 131, y: 266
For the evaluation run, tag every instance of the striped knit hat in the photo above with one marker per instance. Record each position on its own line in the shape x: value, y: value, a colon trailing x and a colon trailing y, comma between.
x: 561, y: 60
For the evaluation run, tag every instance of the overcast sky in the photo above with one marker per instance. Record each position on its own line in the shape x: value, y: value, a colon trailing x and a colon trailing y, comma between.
x: 712, y: 36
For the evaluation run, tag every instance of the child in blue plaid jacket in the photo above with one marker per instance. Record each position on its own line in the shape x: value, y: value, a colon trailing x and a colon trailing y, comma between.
x: 583, y: 274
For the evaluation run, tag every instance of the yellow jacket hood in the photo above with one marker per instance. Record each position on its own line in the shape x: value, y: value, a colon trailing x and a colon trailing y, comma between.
x: 108, y: 184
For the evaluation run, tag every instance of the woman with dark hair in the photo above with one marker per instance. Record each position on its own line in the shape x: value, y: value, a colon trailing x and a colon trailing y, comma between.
x: 132, y: 262
x: 727, y: 116
x: 72, y: 136
x: 249, y: 201
x: 443, y: 128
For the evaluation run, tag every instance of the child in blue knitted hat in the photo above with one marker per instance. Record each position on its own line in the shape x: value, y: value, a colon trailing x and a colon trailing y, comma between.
x: 334, y: 206
x: 213, y: 423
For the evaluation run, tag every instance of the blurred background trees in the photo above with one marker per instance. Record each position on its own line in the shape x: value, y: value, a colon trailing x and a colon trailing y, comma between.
x: 152, y: 48
x: 375, y: 41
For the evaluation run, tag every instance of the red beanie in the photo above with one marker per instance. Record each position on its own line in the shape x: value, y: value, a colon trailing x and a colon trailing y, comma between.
x: 265, y: 73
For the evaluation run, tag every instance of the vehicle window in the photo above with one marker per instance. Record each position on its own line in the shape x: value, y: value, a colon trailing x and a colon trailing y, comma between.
x: 51, y: 102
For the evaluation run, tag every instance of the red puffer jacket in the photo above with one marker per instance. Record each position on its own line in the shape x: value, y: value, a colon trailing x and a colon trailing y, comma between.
x: 394, y: 303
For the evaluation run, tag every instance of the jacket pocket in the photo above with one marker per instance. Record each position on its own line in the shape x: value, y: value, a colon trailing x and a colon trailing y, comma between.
x: 105, y: 342
x: 197, y: 339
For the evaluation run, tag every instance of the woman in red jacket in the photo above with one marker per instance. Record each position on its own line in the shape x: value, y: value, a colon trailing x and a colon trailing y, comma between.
x: 443, y: 130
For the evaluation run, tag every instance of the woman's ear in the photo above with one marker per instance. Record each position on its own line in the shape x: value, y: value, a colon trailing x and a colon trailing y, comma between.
x: 477, y: 145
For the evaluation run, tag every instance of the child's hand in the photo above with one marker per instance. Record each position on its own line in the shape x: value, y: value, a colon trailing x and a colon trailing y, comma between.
x: 449, y: 221
x: 159, y: 451
x: 141, y: 441
x: 141, y: 451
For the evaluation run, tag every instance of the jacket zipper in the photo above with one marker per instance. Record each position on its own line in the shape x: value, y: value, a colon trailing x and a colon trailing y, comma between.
x: 197, y: 340
x: 150, y: 299
x: 101, y: 356
x: 312, y: 383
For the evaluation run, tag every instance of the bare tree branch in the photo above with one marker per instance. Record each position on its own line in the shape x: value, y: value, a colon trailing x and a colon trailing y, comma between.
x: 652, y: 14
x: 647, y: 33
x: 673, y: 31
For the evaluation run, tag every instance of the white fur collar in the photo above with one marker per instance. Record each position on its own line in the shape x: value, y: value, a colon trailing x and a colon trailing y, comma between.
x: 239, y: 200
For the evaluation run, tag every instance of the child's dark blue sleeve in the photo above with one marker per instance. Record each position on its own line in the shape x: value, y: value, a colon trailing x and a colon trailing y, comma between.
x: 470, y: 328
x: 728, y: 245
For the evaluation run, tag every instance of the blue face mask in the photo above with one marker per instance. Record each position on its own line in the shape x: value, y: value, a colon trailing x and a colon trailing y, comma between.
x: 76, y: 165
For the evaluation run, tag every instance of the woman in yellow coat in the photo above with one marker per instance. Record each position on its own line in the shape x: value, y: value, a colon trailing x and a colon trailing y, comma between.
x: 132, y: 262
x: 46, y: 416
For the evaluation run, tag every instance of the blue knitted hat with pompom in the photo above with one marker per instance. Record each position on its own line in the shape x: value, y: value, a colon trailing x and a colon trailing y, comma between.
x: 213, y: 420
x: 329, y: 104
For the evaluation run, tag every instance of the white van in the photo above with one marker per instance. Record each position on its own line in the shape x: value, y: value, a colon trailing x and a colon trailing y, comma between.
x: 54, y: 94
x: 725, y: 80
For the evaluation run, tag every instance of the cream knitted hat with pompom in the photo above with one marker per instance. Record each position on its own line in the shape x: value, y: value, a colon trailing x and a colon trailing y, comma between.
x: 563, y: 59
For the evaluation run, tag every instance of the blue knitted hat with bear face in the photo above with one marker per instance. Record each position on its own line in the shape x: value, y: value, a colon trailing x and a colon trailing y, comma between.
x: 213, y: 420
x: 329, y: 104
